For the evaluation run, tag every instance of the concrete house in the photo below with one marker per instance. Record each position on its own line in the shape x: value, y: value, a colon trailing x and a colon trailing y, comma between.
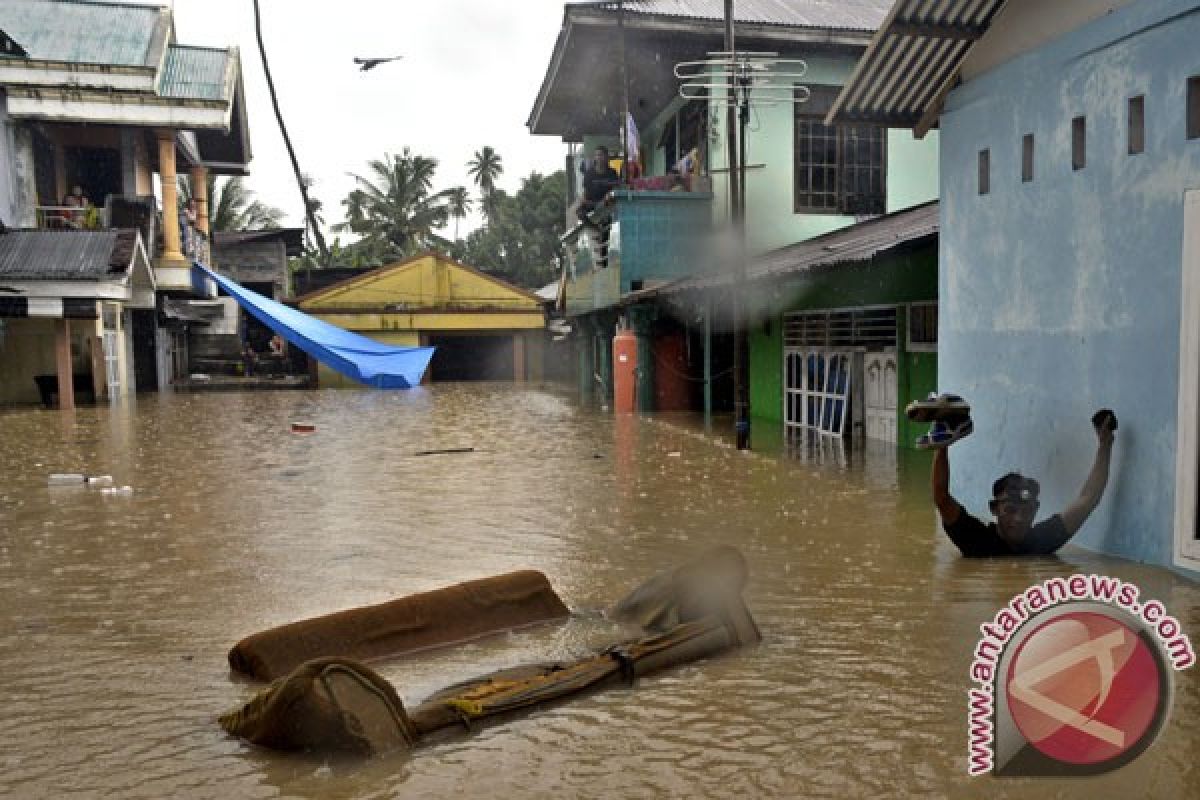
x: 1070, y: 243
x: 98, y: 99
x: 804, y: 179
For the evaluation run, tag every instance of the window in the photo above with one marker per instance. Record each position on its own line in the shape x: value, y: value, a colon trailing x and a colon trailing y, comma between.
x: 1193, y: 107
x: 1079, y: 143
x: 1027, y: 158
x: 1137, y: 124
x: 838, y: 170
x: 922, y: 327
x: 985, y: 171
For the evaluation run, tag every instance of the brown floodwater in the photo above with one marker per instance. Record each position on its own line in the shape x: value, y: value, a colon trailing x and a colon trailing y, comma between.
x: 116, y: 612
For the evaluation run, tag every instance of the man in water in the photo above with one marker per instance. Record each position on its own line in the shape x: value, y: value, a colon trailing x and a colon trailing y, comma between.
x: 1015, y: 502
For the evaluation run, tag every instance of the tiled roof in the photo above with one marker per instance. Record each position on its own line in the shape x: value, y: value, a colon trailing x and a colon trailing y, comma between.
x: 65, y: 255
x: 861, y: 15
x: 194, y: 73
x: 74, y: 31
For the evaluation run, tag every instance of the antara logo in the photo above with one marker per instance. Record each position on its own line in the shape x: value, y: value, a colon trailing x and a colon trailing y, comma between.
x: 1074, y: 678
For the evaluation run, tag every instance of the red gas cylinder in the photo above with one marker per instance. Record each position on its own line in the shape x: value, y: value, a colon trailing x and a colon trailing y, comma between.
x: 625, y: 371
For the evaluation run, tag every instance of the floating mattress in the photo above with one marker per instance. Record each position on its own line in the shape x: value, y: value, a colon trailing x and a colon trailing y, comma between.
x: 418, y: 622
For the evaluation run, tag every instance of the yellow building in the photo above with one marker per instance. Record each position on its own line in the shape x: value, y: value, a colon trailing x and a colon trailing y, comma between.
x: 483, y: 328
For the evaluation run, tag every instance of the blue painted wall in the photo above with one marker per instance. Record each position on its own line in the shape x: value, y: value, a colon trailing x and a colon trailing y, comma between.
x: 1061, y: 295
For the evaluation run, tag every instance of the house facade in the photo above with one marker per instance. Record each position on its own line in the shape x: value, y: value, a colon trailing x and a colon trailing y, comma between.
x: 803, y: 179
x: 101, y: 111
x: 1070, y: 245
x: 482, y: 327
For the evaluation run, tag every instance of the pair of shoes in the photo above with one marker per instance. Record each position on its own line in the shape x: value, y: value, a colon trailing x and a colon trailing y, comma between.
x: 935, y: 407
x: 945, y: 432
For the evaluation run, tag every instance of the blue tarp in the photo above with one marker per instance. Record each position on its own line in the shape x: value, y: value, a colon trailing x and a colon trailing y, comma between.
x: 365, y: 360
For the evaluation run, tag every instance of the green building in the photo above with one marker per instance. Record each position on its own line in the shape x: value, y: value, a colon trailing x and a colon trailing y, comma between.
x: 660, y: 262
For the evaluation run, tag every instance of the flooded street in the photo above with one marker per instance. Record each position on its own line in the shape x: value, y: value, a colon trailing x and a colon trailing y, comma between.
x: 116, y: 612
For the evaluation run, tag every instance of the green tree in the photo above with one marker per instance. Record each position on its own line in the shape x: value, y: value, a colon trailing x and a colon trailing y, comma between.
x: 485, y: 167
x: 232, y: 205
x: 459, y: 206
x: 395, y: 211
x: 521, y: 243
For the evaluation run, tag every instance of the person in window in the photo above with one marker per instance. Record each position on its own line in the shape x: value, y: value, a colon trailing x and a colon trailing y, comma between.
x: 1015, y: 503
x: 598, y: 180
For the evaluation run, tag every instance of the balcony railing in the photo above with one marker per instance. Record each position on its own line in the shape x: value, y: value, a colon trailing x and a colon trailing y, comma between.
x: 68, y: 217
x: 635, y: 240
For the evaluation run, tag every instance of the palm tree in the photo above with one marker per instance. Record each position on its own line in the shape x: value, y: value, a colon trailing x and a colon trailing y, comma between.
x: 232, y: 205
x: 459, y: 205
x: 395, y: 211
x: 308, y: 206
x: 314, y: 219
x: 485, y: 168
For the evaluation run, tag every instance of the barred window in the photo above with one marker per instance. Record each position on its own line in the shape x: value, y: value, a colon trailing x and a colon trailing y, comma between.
x: 838, y: 170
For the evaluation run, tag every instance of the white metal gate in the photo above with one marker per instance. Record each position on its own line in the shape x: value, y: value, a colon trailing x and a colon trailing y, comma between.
x: 819, y: 348
x: 112, y: 364
x: 817, y: 391
x: 879, y: 378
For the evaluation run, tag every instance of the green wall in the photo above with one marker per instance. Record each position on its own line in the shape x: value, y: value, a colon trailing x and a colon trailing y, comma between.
x: 889, y: 280
x: 771, y: 221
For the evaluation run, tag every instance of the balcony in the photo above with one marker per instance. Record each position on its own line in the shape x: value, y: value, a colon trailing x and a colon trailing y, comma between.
x: 653, y: 237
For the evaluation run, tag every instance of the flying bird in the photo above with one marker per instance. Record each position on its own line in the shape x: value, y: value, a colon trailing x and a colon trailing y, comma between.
x: 370, y: 63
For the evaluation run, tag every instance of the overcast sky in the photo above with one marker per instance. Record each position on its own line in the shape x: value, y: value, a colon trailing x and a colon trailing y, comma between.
x: 469, y: 76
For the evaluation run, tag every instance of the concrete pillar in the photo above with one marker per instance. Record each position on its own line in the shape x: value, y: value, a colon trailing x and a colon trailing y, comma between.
x: 518, y: 341
x: 172, y: 251
x: 62, y: 359
x: 200, y: 194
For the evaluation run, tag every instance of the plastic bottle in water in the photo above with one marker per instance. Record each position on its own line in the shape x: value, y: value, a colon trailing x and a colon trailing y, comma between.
x: 66, y: 479
x: 99, y: 480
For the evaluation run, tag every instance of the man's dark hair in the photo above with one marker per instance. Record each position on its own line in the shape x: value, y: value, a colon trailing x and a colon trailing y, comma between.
x: 1015, y: 482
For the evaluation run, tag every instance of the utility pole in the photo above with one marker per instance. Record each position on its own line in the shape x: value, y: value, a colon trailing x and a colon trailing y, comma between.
x: 733, y: 78
x: 735, y: 147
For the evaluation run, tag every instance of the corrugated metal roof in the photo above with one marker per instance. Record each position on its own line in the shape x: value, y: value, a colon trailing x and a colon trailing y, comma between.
x: 912, y: 61
x: 81, y: 32
x: 65, y: 255
x: 859, y: 15
x: 194, y: 73
x: 856, y: 243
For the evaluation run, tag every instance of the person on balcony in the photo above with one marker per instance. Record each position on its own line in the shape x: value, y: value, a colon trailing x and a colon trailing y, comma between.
x: 187, y: 229
x: 598, y: 180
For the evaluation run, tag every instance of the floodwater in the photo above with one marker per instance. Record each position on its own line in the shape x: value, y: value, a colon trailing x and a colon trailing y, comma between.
x: 116, y: 612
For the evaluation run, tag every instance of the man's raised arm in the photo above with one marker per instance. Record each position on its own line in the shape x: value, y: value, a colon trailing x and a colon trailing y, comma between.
x: 947, y: 506
x: 1073, y: 517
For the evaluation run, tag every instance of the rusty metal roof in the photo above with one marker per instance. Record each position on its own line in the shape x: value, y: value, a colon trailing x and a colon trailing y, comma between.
x: 856, y: 243
x: 859, y: 15
x: 912, y: 62
x: 66, y: 255
x: 195, y: 73
x: 81, y: 32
